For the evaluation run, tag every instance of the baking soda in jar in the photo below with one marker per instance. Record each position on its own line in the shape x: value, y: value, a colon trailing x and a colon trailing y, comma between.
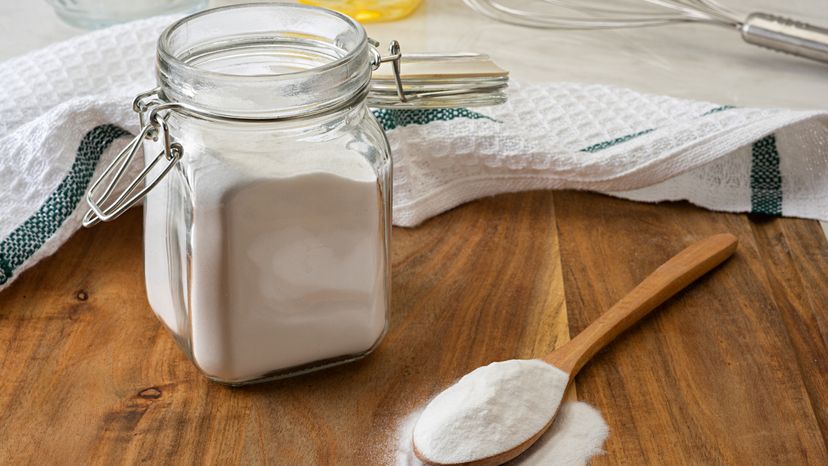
x: 266, y: 247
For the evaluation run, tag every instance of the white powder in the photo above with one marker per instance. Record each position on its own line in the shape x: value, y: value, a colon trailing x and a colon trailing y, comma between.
x: 287, y: 254
x: 404, y: 454
x: 577, y: 435
x: 490, y: 410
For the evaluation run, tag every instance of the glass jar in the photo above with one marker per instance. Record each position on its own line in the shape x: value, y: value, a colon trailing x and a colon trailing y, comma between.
x: 369, y: 10
x: 266, y: 240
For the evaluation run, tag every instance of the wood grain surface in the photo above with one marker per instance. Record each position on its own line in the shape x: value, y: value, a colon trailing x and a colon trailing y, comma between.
x: 671, y: 277
x: 725, y: 374
x: 733, y: 371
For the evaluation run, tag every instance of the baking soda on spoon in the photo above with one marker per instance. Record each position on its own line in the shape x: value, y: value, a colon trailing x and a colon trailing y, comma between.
x: 577, y: 435
x: 496, y: 412
x: 490, y: 410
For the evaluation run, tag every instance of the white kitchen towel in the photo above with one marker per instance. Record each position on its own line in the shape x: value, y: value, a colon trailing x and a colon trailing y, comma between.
x: 65, y: 110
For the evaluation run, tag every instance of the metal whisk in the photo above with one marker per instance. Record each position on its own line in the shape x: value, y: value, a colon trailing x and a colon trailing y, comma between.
x: 766, y: 30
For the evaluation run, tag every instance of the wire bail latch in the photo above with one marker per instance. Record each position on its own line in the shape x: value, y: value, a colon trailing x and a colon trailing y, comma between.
x: 155, y: 127
x: 395, y: 57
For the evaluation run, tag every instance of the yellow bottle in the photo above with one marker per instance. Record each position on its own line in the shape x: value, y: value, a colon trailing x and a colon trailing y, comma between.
x: 366, y: 11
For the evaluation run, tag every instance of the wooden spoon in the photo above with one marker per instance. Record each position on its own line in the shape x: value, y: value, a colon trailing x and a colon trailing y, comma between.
x: 667, y: 280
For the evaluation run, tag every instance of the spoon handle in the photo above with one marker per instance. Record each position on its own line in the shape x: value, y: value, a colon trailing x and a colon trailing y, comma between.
x: 670, y: 278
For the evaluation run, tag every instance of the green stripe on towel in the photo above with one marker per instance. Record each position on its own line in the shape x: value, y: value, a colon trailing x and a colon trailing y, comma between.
x: 622, y: 139
x: 765, y: 178
x: 607, y: 144
x: 390, y: 118
x: 29, y: 237
x: 718, y: 109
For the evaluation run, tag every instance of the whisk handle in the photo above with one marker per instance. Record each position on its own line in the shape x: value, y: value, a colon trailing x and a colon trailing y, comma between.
x: 786, y: 35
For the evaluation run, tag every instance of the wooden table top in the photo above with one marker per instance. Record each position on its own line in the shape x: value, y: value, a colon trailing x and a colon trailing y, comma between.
x: 732, y: 371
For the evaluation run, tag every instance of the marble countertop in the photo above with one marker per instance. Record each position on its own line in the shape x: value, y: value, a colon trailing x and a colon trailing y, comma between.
x: 691, y: 61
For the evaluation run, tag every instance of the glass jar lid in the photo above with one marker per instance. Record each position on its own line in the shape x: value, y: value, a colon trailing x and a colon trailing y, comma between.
x: 264, y: 60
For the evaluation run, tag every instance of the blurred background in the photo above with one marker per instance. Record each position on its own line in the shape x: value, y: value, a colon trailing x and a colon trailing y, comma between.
x: 683, y: 60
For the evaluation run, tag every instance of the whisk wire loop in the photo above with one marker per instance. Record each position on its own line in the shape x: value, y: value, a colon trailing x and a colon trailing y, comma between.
x: 769, y: 31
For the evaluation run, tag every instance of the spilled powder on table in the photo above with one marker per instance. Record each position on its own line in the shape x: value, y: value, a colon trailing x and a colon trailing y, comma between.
x: 577, y: 435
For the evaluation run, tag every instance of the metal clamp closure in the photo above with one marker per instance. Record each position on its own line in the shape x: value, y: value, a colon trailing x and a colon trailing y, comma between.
x: 436, y: 80
x: 395, y: 57
x: 101, y: 208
